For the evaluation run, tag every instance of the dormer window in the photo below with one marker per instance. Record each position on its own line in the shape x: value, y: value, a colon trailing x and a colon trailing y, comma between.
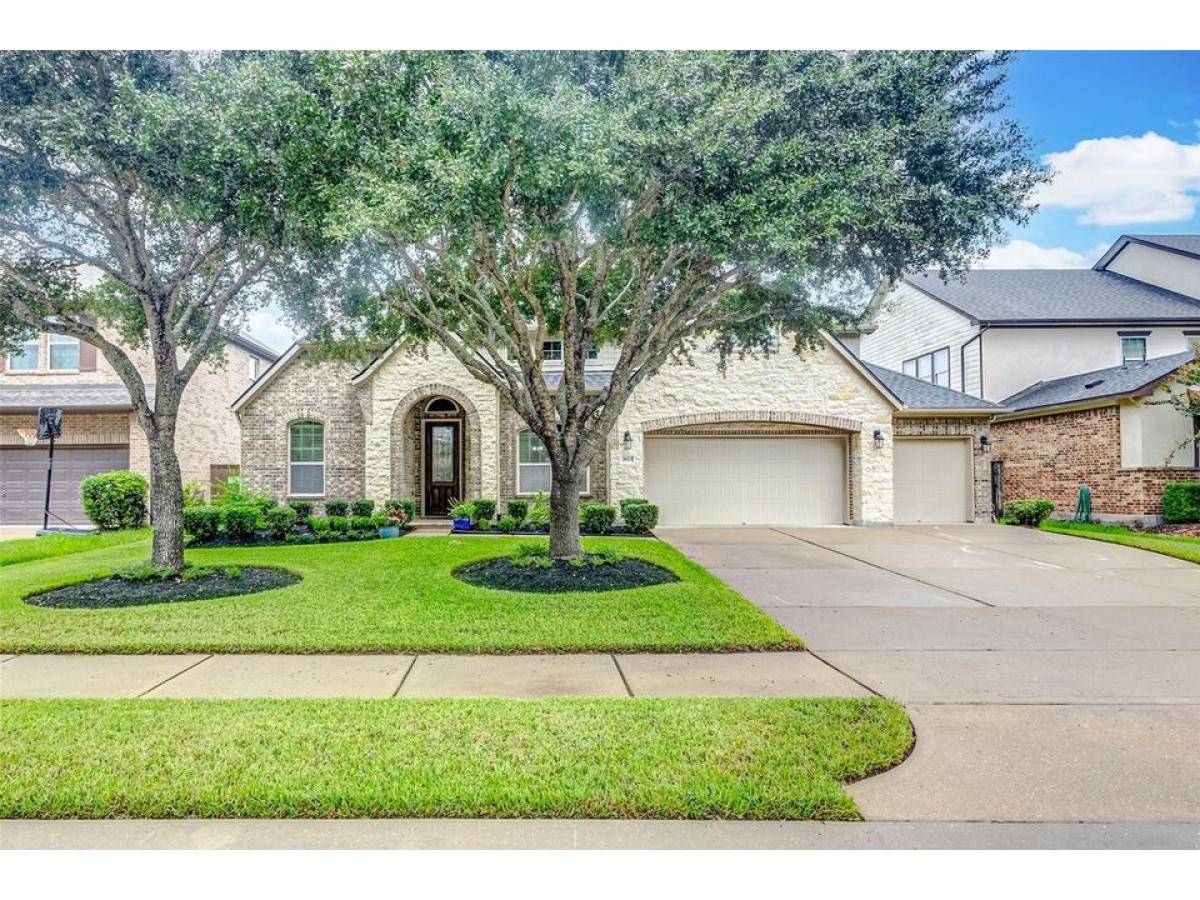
x: 1133, y: 349
x: 551, y: 349
x: 64, y: 353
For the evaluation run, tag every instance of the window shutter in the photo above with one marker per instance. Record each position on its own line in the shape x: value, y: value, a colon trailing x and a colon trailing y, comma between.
x: 87, y: 353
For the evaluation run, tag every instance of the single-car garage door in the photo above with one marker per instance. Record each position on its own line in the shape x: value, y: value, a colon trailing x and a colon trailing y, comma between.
x: 23, y: 481
x: 933, y: 480
x: 747, y: 480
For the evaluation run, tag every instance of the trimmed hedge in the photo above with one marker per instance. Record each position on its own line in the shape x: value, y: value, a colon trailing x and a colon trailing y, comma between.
x: 337, y: 508
x: 1030, y: 513
x: 240, y: 522
x: 361, y: 508
x: 303, y: 508
x: 628, y: 502
x: 517, y: 509
x: 280, y: 521
x: 485, y: 508
x: 203, y: 523
x: 114, y: 500
x: 597, y: 518
x: 1181, y: 501
x: 640, y: 518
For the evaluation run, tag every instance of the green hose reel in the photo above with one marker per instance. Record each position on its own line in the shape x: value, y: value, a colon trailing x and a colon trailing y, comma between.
x: 1083, y: 504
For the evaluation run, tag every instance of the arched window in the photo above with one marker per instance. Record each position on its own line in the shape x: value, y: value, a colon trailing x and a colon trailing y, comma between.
x: 441, y: 405
x: 306, y: 459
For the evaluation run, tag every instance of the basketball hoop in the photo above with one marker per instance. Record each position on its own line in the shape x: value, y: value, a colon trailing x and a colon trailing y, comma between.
x: 28, y: 435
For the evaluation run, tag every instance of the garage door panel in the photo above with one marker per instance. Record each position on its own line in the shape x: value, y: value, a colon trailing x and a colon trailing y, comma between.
x: 933, y: 480
x: 747, y: 480
x: 23, y: 481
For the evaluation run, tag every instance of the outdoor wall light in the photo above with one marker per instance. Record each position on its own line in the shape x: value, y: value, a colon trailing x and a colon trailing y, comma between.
x: 985, y: 443
x: 878, y: 439
x: 627, y: 442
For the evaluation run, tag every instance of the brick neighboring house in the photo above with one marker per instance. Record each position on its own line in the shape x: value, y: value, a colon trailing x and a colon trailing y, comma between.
x: 819, y: 438
x: 100, y: 431
x: 1075, y: 357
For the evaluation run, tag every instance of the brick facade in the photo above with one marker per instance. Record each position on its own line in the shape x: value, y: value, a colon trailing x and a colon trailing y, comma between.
x: 79, y: 429
x: 981, y: 460
x: 1051, y: 456
x: 511, y: 425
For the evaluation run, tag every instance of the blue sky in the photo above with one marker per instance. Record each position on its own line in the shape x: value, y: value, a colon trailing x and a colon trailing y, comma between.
x: 1122, y: 131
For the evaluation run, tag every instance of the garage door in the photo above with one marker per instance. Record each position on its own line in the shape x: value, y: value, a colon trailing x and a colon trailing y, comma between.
x: 933, y: 480
x: 23, y: 481
x: 747, y: 480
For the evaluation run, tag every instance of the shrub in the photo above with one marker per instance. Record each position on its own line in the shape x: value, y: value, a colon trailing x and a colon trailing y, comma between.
x: 640, y: 518
x: 362, y: 508
x: 318, y: 525
x: 1029, y: 513
x: 379, y: 520
x: 401, y: 511
x: 303, y: 508
x: 193, y: 494
x: 631, y: 501
x: 240, y: 522
x: 336, y: 508
x: 338, y: 524
x: 362, y: 523
x: 303, y: 537
x: 461, y: 510
x: 1181, y: 501
x: 539, y: 513
x: 484, y: 508
x: 114, y: 500
x: 203, y: 523
x: 280, y: 521
x: 531, y: 553
x: 518, y: 509
x: 508, y: 524
x: 597, y: 517
x: 483, y: 524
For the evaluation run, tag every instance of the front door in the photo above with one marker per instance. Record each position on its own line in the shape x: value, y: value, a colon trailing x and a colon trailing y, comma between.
x: 442, y: 484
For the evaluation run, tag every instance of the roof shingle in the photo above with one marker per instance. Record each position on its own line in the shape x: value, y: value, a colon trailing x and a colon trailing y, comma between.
x: 917, y: 394
x: 1118, y: 381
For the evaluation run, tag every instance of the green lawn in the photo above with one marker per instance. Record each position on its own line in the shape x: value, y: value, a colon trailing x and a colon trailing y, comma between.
x: 568, y: 758
x: 1178, y: 546
x: 55, y: 545
x: 392, y: 595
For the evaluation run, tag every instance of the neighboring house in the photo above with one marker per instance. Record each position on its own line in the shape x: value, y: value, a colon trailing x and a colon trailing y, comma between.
x: 1073, y: 356
x: 100, y: 431
x: 785, y: 440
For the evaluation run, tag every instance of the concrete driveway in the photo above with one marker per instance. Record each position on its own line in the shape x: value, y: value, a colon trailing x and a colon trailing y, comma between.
x: 1050, y: 678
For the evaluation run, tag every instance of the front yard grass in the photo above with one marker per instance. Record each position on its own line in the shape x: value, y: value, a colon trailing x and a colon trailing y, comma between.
x: 391, y: 595
x: 693, y: 758
x: 1178, y: 546
x: 54, y: 545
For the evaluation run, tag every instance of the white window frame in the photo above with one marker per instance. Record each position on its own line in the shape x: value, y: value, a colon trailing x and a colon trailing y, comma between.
x: 912, y: 367
x: 552, y: 351
x: 36, y: 344
x: 53, y: 339
x: 1141, y: 338
x: 253, y: 360
x: 587, y: 475
x: 291, y: 464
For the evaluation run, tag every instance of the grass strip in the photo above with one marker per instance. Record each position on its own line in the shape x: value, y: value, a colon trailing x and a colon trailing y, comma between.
x: 1177, y: 546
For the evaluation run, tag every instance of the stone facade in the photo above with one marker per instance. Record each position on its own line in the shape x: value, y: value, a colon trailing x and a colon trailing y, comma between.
x: 1049, y: 457
x: 818, y: 392
x: 981, y: 459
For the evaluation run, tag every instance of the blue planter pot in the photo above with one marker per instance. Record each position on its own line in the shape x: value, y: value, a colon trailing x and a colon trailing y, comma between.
x: 463, y: 524
x: 389, y: 531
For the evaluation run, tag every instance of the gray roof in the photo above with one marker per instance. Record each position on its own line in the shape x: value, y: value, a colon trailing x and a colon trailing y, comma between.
x: 19, y: 397
x: 593, y: 379
x: 255, y: 347
x: 917, y: 394
x: 1119, y: 381
x: 1057, y: 295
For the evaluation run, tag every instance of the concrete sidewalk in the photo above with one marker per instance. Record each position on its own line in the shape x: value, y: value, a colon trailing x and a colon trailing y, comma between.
x: 584, y: 834
x: 398, y: 675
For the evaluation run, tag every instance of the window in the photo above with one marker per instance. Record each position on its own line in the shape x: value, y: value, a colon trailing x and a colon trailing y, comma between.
x: 64, y: 352
x: 533, y: 465
x: 1133, y: 350
x: 551, y: 349
x: 25, y: 359
x: 593, y: 353
x: 932, y: 367
x: 306, y: 459
x: 253, y: 367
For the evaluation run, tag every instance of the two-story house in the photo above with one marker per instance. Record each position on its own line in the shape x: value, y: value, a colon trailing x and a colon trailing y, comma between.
x: 100, y: 431
x: 1074, y: 356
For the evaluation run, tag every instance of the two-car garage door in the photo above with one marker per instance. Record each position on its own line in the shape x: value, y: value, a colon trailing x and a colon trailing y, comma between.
x: 747, y: 480
x: 23, y: 481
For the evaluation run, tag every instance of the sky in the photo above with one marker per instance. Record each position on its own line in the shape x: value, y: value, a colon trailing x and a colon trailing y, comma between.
x: 1121, y: 132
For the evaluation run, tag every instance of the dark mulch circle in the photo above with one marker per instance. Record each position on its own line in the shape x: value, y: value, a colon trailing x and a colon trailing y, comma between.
x: 110, y: 593
x: 562, y: 577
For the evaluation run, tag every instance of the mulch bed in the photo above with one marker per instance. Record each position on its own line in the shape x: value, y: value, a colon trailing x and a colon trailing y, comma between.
x: 111, y: 593
x: 562, y: 577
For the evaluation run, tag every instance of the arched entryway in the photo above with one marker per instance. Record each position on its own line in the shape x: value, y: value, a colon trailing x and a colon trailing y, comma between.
x: 435, y: 448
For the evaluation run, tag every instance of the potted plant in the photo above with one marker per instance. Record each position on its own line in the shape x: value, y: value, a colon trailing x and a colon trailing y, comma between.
x: 389, y: 525
x: 461, y: 514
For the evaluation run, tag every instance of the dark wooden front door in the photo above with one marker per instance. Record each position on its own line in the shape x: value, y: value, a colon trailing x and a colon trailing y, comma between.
x: 442, y: 479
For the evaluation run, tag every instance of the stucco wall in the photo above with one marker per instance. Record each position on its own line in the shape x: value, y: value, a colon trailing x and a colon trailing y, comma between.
x: 1154, y: 265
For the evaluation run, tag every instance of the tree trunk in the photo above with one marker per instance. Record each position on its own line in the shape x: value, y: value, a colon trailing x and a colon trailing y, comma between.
x: 564, y: 513
x: 166, y: 505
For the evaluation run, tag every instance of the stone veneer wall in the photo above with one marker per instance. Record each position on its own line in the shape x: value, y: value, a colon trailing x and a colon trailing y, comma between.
x: 817, y: 387
x: 321, y: 392
x: 1051, y: 456
x: 974, y: 428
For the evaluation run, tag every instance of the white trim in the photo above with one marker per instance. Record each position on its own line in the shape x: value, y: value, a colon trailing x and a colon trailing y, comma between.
x: 268, y: 376
x: 587, y: 474
x: 290, y: 463
x: 63, y: 339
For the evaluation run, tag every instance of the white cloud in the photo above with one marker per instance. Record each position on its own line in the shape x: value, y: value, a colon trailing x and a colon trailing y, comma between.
x: 1119, y: 180
x: 1022, y: 254
x: 266, y: 327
